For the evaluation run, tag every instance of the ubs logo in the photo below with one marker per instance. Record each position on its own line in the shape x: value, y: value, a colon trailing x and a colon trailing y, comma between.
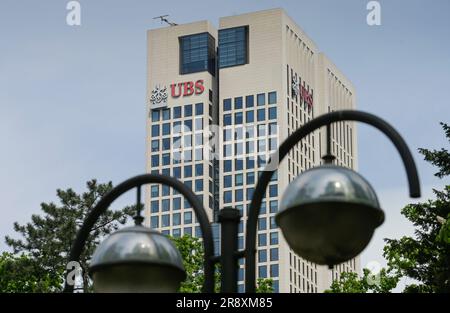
x: 187, y: 88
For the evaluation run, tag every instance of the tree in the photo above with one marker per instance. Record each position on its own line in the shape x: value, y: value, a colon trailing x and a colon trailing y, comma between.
x: 23, y: 274
x: 47, y: 239
x: 425, y: 257
x: 191, y: 250
x: 349, y: 282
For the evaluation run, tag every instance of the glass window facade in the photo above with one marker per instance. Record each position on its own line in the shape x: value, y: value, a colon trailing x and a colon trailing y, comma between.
x: 197, y: 53
x: 233, y: 46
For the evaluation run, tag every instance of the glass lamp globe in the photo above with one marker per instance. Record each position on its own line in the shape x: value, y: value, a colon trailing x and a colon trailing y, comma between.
x: 328, y: 214
x: 137, y: 259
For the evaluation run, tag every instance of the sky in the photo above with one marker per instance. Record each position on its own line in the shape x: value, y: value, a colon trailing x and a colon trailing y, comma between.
x: 72, y: 98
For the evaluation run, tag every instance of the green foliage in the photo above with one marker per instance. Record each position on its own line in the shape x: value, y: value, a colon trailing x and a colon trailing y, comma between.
x: 349, y: 282
x: 191, y: 250
x: 439, y: 158
x: 426, y: 256
x: 192, y: 253
x: 264, y: 285
x: 23, y: 274
x: 47, y: 239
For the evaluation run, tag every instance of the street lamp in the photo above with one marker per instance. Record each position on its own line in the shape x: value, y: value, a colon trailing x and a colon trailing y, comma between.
x: 327, y: 214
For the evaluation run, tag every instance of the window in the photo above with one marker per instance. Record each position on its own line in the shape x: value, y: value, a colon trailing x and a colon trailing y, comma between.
x: 165, y: 205
x: 176, y: 232
x: 155, y: 160
x: 227, y: 181
x: 262, y: 271
x: 187, y: 125
x: 239, y: 179
x: 238, y: 103
x: 198, y: 140
x: 155, y: 130
x: 274, y: 238
x: 249, y: 116
x: 166, y: 129
x: 274, y: 270
x: 177, y: 172
x: 199, y: 124
x: 238, y: 195
x: 250, y: 163
x: 177, y: 112
x: 155, y: 145
x: 261, y: 114
x: 188, y: 111
x: 188, y: 171
x: 272, y: 97
x: 165, y: 190
x: 166, y: 144
x: 261, y: 99
x: 261, y: 130
x: 227, y: 166
x: 273, y: 190
x: 166, y: 159
x: 176, y: 219
x: 273, y: 224
x: 154, y: 206
x: 197, y: 53
x: 233, y: 46
x: 250, y: 193
x: 262, y: 256
x: 176, y: 204
x: 227, y: 197
x: 154, y: 222
x: 262, y: 240
x: 262, y: 223
x: 199, y: 185
x: 250, y: 178
x: 249, y: 101
x: 226, y: 104
x: 238, y: 164
x: 187, y: 218
x: 227, y: 150
x: 166, y: 114
x: 227, y: 119
x: 165, y: 220
x: 155, y: 116
x: 274, y: 254
x: 155, y: 191
x: 198, y: 108
x: 187, y: 141
x: 238, y: 118
x: 273, y: 206
x: 188, y: 231
x: 199, y: 169
x: 273, y: 113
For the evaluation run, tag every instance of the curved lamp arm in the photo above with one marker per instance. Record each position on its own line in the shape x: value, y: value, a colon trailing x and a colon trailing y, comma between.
x: 137, y: 182
x: 289, y: 143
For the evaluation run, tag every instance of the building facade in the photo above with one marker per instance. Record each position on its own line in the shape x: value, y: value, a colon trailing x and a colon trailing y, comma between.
x: 220, y: 102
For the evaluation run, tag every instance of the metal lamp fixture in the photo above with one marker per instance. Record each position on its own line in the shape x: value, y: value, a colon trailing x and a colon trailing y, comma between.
x: 328, y: 214
x: 137, y: 259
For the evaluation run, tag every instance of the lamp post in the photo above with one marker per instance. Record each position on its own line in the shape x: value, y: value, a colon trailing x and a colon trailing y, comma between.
x: 327, y: 215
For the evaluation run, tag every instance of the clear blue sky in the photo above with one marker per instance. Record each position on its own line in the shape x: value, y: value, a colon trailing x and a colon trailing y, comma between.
x: 72, y: 99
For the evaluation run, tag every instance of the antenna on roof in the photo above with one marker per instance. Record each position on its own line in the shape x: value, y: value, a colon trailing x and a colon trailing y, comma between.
x: 165, y: 20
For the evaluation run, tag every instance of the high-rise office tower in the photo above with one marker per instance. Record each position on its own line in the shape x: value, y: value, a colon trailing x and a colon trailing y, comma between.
x: 220, y: 102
